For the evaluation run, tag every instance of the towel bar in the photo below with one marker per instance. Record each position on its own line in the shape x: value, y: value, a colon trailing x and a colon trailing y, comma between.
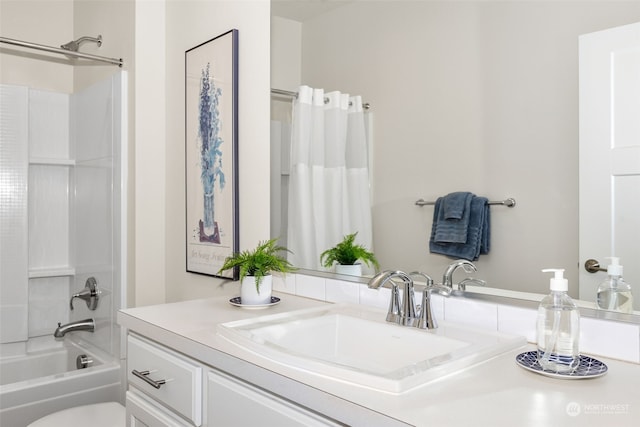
x: 510, y: 202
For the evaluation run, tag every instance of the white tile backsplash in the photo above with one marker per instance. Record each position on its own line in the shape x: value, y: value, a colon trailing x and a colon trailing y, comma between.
x: 310, y: 287
x: 340, y: 291
x: 375, y: 297
x: 284, y: 283
x: 518, y: 321
x: 611, y: 339
x: 601, y: 337
x: 474, y: 313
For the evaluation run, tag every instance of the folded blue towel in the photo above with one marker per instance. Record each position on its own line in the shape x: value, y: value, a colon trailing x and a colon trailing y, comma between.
x: 455, y: 205
x: 452, y: 223
x: 478, y: 233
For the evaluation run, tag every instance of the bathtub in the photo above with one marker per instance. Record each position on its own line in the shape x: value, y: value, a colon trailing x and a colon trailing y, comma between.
x: 37, y: 383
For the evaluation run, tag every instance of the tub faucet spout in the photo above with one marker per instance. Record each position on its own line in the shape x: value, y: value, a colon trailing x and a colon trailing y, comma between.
x: 80, y: 325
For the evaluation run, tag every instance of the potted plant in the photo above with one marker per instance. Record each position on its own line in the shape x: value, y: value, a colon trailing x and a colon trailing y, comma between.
x: 255, y: 266
x: 346, y: 255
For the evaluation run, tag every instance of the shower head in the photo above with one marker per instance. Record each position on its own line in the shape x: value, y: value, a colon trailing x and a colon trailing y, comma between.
x: 75, y: 44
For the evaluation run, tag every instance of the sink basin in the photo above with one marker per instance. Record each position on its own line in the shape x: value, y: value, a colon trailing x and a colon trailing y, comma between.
x: 354, y: 344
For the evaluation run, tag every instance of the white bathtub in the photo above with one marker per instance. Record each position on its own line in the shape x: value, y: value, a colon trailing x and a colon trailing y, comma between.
x: 35, y: 384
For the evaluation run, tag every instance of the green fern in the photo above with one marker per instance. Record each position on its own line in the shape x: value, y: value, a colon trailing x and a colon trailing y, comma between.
x: 260, y: 262
x: 348, y: 253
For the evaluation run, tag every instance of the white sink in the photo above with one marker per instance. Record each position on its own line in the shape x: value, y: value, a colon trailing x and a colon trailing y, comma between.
x: 354, y: 344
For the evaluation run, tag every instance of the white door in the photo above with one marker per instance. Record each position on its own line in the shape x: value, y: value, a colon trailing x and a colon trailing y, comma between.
x: 610, y: 154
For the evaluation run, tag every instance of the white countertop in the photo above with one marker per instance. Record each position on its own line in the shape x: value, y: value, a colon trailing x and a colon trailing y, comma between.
x: 494, y: 393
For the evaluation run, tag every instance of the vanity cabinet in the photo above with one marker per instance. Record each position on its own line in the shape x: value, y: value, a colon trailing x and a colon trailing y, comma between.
x: 232, y: 402
x: 167, y: 388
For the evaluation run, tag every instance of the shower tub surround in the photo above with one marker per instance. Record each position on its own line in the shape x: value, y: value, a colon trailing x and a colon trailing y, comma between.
x: 496, y: 392
x: 62, y: 159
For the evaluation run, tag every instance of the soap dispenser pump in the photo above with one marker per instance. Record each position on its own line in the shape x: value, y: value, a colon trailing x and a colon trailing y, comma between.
x: 558, y: 327
x: 614, y: 293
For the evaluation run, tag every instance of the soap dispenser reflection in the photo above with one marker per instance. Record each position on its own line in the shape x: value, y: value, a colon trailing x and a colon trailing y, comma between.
x: 614, y: 293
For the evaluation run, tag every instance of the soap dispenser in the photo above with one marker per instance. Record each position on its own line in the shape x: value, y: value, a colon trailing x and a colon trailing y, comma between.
x: 558, y: 327
x: 614, y: 293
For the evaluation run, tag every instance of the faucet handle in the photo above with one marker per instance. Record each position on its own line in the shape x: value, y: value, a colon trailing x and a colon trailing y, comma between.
x: 395, y: 313
x: 426, y: 320
x: 89, y: 294
x: 462, y: 286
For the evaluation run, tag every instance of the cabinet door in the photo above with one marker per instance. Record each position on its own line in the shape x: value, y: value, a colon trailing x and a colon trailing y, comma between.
x: 141, y: 412
x: 231, y: 402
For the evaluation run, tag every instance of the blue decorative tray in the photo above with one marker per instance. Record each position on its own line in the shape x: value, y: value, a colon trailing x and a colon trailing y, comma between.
x: 587, y: 368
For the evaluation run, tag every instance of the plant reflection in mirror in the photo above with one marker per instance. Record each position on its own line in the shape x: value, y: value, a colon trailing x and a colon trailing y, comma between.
x: 347, y: 252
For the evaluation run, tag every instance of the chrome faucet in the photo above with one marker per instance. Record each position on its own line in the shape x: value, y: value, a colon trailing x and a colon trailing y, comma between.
x: 447, y: 277
x: 80, y: 325
x: 407, y: 314
x: 426, y: 319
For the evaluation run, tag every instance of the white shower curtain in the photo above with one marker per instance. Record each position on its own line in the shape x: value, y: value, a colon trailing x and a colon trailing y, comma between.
x: 329, y: 195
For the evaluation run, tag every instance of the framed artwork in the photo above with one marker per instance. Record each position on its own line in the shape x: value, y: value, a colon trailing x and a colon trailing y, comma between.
x: 211, y: 154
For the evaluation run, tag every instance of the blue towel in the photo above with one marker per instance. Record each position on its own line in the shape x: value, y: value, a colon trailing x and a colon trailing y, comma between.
x: 478, y: 232
x: 455, y: 205
x: 452, y: 223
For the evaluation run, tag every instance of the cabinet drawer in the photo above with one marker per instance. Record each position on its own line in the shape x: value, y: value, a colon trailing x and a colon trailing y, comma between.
x: 170, y: 378
x: 232, y: 402
x: 142, y: 412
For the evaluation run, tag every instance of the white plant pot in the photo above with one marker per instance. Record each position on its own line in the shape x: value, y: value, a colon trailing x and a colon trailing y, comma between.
x: 249, y: 294
x: 351, y: 270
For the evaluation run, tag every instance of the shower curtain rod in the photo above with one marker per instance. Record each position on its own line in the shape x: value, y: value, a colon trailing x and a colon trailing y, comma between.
x: 290, y: 94
x: 61, y: 51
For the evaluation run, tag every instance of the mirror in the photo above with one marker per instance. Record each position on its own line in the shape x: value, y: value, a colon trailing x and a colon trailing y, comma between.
x: 466, y: 96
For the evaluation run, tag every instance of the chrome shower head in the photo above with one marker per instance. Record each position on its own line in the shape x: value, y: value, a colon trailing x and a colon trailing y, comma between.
x: 74, y: 45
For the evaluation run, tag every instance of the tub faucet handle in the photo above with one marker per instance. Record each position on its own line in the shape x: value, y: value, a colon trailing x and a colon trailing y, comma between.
x: 89, y: 294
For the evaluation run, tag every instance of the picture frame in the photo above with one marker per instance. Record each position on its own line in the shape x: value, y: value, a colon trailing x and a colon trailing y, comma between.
x: 211, y: 155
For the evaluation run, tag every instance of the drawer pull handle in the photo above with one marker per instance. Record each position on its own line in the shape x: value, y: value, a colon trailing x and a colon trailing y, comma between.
x: 143, y: 376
